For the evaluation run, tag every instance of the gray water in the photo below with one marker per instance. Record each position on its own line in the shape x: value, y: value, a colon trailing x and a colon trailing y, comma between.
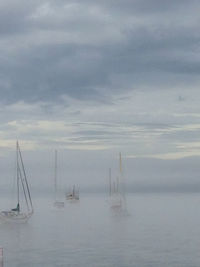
x: 160, y: 230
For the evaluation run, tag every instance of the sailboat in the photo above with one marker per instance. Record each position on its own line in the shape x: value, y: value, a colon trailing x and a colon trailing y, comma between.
x: 57, y: 203
x: 117, y: 190
x: 20, y: 213
x: 73, y: 195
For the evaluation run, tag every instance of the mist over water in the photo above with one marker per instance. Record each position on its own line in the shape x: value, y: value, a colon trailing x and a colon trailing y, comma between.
x: 160, y: 230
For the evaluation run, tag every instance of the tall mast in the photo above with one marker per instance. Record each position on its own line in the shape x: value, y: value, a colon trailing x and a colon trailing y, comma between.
x: 26, y: 186
x: 55, y: 175
x: 110, y: 187
x: 17, y: 156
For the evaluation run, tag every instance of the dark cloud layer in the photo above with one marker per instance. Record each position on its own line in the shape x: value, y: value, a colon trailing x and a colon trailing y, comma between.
x: 93, y: 49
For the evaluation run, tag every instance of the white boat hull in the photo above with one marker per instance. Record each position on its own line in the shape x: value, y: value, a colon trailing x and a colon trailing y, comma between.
x: 72, y: 199
x: 12, y: 216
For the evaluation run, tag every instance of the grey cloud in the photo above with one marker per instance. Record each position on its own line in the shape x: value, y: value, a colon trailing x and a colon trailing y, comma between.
x: 50, y: 72
x: 77, y: 63
x: 159, y: 49
x: 14, y: 16
x: 141, y: 6
x: 182, y: 136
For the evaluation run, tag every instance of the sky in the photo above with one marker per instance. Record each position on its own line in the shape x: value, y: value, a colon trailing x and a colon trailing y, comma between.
x: 92, y: 78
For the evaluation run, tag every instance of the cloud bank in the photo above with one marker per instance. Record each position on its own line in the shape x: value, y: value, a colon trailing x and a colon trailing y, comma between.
x: 99, y: 76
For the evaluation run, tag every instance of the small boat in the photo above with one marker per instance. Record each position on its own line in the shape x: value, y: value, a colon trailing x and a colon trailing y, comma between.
x: 116, y: 197
x: 19, y: 213
x: 117, y: 191
x: 73, y: 195
x: 57, y: 203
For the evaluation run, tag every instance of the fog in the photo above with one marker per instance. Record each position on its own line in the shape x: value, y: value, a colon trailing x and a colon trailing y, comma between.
x: 90, y: 171
x: 91, y: 79
x: 159, y: 230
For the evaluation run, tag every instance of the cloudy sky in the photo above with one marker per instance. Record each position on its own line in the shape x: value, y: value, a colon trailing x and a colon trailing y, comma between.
x: 92, y: 78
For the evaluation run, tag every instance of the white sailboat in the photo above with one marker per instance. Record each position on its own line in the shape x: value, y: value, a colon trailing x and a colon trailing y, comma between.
x: 20, y: 214
x: 57, y: 203
x: 73, y: 195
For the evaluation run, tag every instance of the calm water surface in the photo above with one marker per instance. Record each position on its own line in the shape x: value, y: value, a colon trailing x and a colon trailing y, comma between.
x: 161, y: 230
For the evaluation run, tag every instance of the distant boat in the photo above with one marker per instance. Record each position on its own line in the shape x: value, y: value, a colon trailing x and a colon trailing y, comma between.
x: 20, y: 214
x: 116, y: 197
x: 57, y: 203
x: 117, y: 190
x: 73, y: 195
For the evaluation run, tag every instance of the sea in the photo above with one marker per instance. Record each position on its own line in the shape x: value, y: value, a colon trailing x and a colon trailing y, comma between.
x: 158, y: 230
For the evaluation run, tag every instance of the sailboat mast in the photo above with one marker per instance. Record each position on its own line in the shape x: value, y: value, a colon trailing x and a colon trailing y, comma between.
x: 55, y: 175
x: 110, y: 187
x: 23, y: 188
x: 26, y: 182
x: 17, y: 156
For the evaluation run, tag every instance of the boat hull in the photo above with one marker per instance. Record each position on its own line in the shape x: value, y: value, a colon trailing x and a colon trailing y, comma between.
x: 12, y: 216
x: 72, y: 199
